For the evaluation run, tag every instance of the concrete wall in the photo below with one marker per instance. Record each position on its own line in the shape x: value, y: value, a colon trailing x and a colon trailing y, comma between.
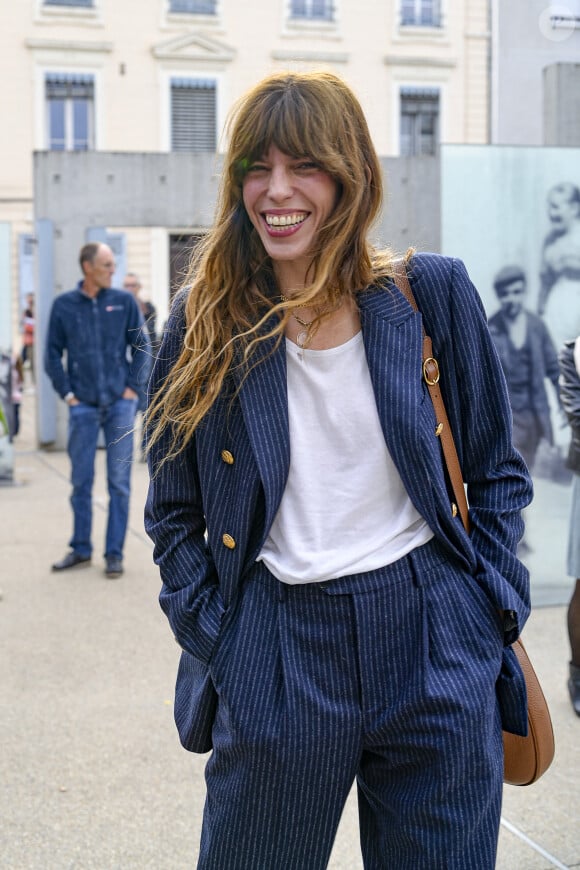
x: 74, y: 192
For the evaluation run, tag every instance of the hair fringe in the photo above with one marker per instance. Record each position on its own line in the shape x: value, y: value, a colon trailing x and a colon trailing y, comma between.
x: 231, y: 301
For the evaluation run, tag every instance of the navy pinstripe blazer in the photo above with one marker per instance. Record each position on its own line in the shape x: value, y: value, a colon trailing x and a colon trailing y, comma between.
x: 208, y: 515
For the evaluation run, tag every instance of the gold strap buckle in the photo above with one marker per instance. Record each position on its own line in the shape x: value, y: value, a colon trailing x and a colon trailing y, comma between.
x: 431, y: 371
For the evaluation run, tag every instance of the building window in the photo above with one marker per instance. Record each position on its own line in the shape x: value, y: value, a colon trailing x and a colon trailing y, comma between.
x: 70, y: 110
x: 195, y: 7
x: 419, y: 121
x: 313, y: 10
x: 193, y: 115
x: 421, y: 13
x: 85, y: 3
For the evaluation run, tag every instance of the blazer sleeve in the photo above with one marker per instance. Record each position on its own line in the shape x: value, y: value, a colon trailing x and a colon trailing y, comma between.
x: 175, y: 521
x: 498, y: 483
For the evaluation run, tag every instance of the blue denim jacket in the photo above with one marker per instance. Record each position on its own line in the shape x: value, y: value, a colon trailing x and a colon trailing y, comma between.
x: 106, y: 347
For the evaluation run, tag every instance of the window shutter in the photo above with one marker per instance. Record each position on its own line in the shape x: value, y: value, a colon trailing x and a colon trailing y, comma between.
x: 193, y: 115
x: 62, y: 86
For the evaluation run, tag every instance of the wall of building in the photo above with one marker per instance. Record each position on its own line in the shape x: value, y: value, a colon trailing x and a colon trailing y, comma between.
x: 133, y: 49
x: 525, y: 42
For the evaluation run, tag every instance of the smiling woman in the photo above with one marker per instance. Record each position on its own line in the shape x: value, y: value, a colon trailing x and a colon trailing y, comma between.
x: 336, y: 618
x: 288, y: 201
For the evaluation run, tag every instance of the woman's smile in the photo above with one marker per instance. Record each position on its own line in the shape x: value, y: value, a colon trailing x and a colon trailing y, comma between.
x: 282, y: 223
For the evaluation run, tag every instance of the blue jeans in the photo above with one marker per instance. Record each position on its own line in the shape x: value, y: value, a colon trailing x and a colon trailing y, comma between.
x: 85, y: 421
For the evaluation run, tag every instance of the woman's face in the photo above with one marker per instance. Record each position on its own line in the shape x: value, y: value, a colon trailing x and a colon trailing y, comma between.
x: 288, y: 200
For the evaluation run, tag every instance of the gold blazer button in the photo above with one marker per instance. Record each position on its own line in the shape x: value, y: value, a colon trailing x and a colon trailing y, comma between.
x: 228, y: 541
x: 453, y: 509
x: 227, y: 457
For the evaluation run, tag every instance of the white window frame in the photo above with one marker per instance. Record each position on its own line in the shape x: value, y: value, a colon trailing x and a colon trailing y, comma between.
x: 166, y: 76
x: 417, y: 23
x: 417, y: 89
x: 313, y: 19
x: 69, y: 119
x: 170, y: 18
x: 85, y: 15
x: 41, y: 129
x: 319, y: 27
x: 420, y: 82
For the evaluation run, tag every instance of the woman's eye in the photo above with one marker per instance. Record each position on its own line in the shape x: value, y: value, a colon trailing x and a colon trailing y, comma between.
x: 306, y: 165
x: 257, y: 167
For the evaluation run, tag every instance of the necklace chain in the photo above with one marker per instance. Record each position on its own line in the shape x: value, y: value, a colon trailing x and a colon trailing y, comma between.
x: 304, y: 323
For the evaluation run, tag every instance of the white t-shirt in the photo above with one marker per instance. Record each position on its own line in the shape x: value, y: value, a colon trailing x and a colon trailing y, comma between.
x: 344, y: 509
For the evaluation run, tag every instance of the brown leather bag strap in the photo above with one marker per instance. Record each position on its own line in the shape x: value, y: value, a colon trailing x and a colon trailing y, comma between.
x: 443, y: 429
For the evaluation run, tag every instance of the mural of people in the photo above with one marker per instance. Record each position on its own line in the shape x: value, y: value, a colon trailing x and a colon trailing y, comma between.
x: 559, y: 298
x: 570, y: 387
x: 528, y: 206
x: 528, y: 357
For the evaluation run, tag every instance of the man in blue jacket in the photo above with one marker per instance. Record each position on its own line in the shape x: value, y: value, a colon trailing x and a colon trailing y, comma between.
x: 107, y: 364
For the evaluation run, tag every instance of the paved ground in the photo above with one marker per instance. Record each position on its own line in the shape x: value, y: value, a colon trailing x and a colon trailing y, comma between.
x: 91, y: 770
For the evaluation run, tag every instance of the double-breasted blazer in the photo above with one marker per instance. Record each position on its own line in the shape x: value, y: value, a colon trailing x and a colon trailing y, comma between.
x: 209, y: 510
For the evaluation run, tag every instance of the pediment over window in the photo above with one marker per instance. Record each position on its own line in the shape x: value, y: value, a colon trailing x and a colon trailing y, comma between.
x: 194, y: 46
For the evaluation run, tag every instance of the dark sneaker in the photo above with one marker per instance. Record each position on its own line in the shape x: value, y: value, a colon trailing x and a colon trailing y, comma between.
x: 114, y: 567
x: 72, y: 560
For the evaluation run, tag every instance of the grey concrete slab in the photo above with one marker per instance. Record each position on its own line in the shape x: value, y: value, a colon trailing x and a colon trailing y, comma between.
x: 92, y: 774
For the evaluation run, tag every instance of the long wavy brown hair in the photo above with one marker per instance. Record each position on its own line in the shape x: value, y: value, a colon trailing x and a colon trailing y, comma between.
x: 231, y: 288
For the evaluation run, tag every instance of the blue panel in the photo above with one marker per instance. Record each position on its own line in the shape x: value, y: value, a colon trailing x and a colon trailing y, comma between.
x: 46, y: 407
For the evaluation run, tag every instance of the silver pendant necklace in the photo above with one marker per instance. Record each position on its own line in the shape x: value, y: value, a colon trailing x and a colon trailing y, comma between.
x: 303, y: 337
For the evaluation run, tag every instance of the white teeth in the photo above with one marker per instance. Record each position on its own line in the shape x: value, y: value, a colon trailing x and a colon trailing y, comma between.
x: 284, y: 220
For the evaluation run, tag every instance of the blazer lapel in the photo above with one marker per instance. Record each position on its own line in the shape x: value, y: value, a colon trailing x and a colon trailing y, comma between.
x: 264, y: 402
x: 393, y: 342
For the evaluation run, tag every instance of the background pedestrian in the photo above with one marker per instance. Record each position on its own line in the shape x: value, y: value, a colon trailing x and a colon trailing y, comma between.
x: 107, y: 364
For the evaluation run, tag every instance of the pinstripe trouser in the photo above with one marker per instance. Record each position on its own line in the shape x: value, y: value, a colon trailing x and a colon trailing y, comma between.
x: 387, y: 676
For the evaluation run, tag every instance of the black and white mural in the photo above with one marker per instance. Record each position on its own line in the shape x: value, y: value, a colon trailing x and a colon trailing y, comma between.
x: 513, y: 215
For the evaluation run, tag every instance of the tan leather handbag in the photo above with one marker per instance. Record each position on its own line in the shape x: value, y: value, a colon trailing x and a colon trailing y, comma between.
x: 527, y: 758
